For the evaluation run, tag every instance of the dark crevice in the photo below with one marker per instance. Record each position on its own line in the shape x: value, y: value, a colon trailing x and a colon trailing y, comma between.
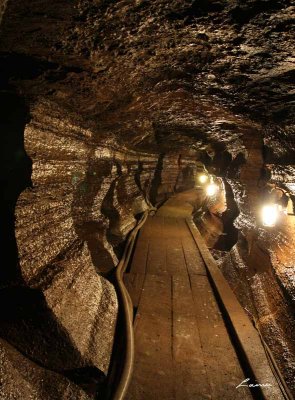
x: 23, y: 309
x: 230, y: 232
x: 157, y: 179
x: 196, y: 9
x: 222, y: 161
x: 90, y: 379
x: 16, y: 169
x: 22, y: 66
x: 109, y: 210
x: 137, y: 175
x: 243, y: 13
x: 235, y: 166
x: 87, y: 228
x: 179, y: 173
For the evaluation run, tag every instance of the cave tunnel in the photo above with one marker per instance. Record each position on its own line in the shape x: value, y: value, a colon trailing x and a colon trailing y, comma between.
x: 147, y: 200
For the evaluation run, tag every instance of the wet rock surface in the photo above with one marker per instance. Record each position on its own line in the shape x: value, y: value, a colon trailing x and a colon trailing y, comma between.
x: 107, y: 105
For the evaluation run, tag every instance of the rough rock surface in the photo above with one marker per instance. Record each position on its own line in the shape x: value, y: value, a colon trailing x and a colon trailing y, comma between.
x: 22, y: 379
x: 107, y: 104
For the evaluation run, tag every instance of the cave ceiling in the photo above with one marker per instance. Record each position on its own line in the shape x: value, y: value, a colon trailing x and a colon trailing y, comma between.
x: 106, y: 106
x: 158, y: 76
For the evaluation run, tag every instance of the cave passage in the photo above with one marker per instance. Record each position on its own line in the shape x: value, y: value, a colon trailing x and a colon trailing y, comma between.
x: 184, y: 348
x: 109, y: 108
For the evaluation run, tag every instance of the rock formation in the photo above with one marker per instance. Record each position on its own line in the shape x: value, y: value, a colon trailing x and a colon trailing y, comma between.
x: 106, y: 107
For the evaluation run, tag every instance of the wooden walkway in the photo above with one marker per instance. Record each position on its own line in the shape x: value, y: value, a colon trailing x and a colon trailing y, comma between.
x: 182, y: 348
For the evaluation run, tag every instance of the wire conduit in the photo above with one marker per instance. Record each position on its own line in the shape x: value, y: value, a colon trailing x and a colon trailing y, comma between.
x: 127, y: 310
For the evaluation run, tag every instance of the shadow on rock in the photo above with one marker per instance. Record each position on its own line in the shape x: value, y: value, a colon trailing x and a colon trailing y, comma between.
x: 26, y: 321
x: 15, y: 176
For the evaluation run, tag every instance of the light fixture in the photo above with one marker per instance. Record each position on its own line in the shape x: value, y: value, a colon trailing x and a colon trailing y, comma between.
x: 211, y: 189
x: 270, y: 214
x: 203, y: 178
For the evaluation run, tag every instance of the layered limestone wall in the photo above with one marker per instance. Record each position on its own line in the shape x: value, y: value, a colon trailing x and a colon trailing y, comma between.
x: 84, y: 193
x: 106, y: 104
x: 260, y: 265
x: 70, y: 226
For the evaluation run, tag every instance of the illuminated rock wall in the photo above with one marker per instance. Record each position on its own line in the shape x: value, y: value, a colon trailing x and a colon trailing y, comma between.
x: 106, y: 105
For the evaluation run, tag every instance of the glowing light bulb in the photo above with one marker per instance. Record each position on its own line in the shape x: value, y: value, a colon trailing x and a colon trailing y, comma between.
x: 211, y: 189
x: 203, y: 178
x: 270, y: 214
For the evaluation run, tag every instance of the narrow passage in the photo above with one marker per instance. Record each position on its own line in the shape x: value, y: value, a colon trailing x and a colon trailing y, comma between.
x: 183, y: 350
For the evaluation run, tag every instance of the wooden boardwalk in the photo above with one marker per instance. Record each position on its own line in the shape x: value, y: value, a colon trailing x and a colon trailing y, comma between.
x: 182, y: 348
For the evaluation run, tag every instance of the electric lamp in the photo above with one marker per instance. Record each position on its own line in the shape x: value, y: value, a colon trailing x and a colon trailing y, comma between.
x: 211, y: 189
x: 270, y: 214
x: 203, y: 178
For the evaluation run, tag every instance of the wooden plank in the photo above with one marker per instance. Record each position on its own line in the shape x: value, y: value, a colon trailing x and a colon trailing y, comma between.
x: 222, y: 365
x: 134, y: 284
x: 139, y: 259
x: 156, y: 261
x: 193, y: 258
x: 175, y: 260
x: 171, y: 229
x: 248, y: 338
x: 156, y: 227
x: 138, y: 263
x: 190, y: 372
x: 176, y: 263
x: 183, y: 231
x: 145, y: 230
x: 153, y: 377
x: 182, y: 347
x: 194, y: 262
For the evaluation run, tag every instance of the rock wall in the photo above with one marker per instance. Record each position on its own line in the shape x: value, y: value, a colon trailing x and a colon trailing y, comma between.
x: 260, y: 265
x: 84, y: 193
x: 70, y: 228
x: 23, y: 379
x: 106, y: 105
x: 3, y: 4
